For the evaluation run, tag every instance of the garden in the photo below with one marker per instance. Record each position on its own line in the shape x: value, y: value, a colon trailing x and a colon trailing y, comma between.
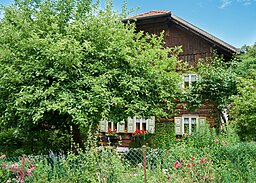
x: 205, y: 157
x: 67, y: 64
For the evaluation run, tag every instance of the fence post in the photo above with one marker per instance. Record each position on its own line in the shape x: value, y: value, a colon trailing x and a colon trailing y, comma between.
x: 144, y: 163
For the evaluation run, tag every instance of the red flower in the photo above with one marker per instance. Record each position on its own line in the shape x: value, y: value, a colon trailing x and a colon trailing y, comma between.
x: 202, y: 161
x: 112, y: 131
x: 169, y: 177
x: 166, y: 152
x: 188, y: 166
x: 193, y: 158
x: 177, y: 164
x: 193, y: 164
x: 139, y: 132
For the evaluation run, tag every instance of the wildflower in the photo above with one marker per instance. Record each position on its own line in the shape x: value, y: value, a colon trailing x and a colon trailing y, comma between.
x: 3, y: 156
x: 193, y: 158
x: 202, y: 161
x: 169, y: 177
x: 188, y: 166
x: 166, y: 152
x: 8, y: 181
x: 14, y: 166
x: 193, y: 164
x: 4, y: 166
x: 31, y: 167
x: 216, y: 140
x: 177, y: 164
x: 165, y: 171
x: 140, y: 164
x: 29, y: 172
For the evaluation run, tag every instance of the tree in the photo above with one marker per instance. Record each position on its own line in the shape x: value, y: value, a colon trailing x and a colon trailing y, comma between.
x: 243, y: 108
x: 70, y: 63
x: 216, y: 84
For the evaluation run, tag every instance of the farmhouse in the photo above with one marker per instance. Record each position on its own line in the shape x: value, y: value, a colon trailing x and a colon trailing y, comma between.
x: 196, y: 44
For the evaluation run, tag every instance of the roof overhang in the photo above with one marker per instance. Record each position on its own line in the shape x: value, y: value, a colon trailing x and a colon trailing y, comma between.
x: 186, y: 25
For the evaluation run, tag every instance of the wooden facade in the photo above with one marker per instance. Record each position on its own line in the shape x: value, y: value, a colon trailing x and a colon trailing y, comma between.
x: 196, y: 44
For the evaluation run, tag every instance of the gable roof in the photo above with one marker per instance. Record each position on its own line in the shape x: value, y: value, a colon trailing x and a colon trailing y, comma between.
x: 186, y: 25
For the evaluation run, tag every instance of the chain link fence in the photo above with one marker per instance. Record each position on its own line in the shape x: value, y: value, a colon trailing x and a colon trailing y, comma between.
x: 104, y: 164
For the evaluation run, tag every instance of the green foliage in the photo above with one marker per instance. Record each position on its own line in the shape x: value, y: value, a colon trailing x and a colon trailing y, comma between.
x: 165, y: 136
x: 216, y: 84
x: 179, y: 163
x: 243, y: 108
x: 16, y: 143
x: 70, y: 62
x: 236, y: 162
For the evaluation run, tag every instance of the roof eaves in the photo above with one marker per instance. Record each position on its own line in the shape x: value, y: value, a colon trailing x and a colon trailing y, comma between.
x: 205, y: 34
x: 146, y: 17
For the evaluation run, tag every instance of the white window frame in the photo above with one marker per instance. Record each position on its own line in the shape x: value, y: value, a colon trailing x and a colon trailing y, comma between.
x: 190, y: 75
x: 190, y: 122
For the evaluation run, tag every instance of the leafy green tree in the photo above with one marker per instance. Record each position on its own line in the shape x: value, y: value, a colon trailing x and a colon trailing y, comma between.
x: 216, y: 84
x: 70, y: 63
x: 243, y: 109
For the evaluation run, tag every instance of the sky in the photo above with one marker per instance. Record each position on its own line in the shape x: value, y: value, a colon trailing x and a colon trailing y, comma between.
x: 233, y: 21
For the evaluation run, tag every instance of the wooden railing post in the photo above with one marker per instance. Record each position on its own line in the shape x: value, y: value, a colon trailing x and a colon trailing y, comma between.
x: 144, y: 163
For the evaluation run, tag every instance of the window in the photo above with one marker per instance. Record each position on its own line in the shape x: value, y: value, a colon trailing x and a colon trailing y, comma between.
x: 188, y: 80
x: 129, y: 126
x: 187, y: 124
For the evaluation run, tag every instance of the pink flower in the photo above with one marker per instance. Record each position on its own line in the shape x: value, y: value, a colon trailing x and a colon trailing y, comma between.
x: 31, y: 166
x: 140, y: 164
x: 29, y: 172
x: 4, y: 166
x: 193, y: 164
x: 188, y: 166
x: 3, y: 156
x: 14, y: 166
x: 169, y: 177
x: 216, y: 140
x: 202, y: 161
x: 177, y: 164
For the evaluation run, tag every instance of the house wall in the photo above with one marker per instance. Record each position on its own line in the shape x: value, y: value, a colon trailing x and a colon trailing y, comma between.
x: 194, y: 48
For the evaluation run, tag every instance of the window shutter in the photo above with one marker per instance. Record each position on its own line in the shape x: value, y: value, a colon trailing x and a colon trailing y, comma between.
x: 178, y: 125
x: 150, y: 125
x: 201, y: 124
x: 130, y: 125
x: 103, y: 125
x: 121, y: 127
